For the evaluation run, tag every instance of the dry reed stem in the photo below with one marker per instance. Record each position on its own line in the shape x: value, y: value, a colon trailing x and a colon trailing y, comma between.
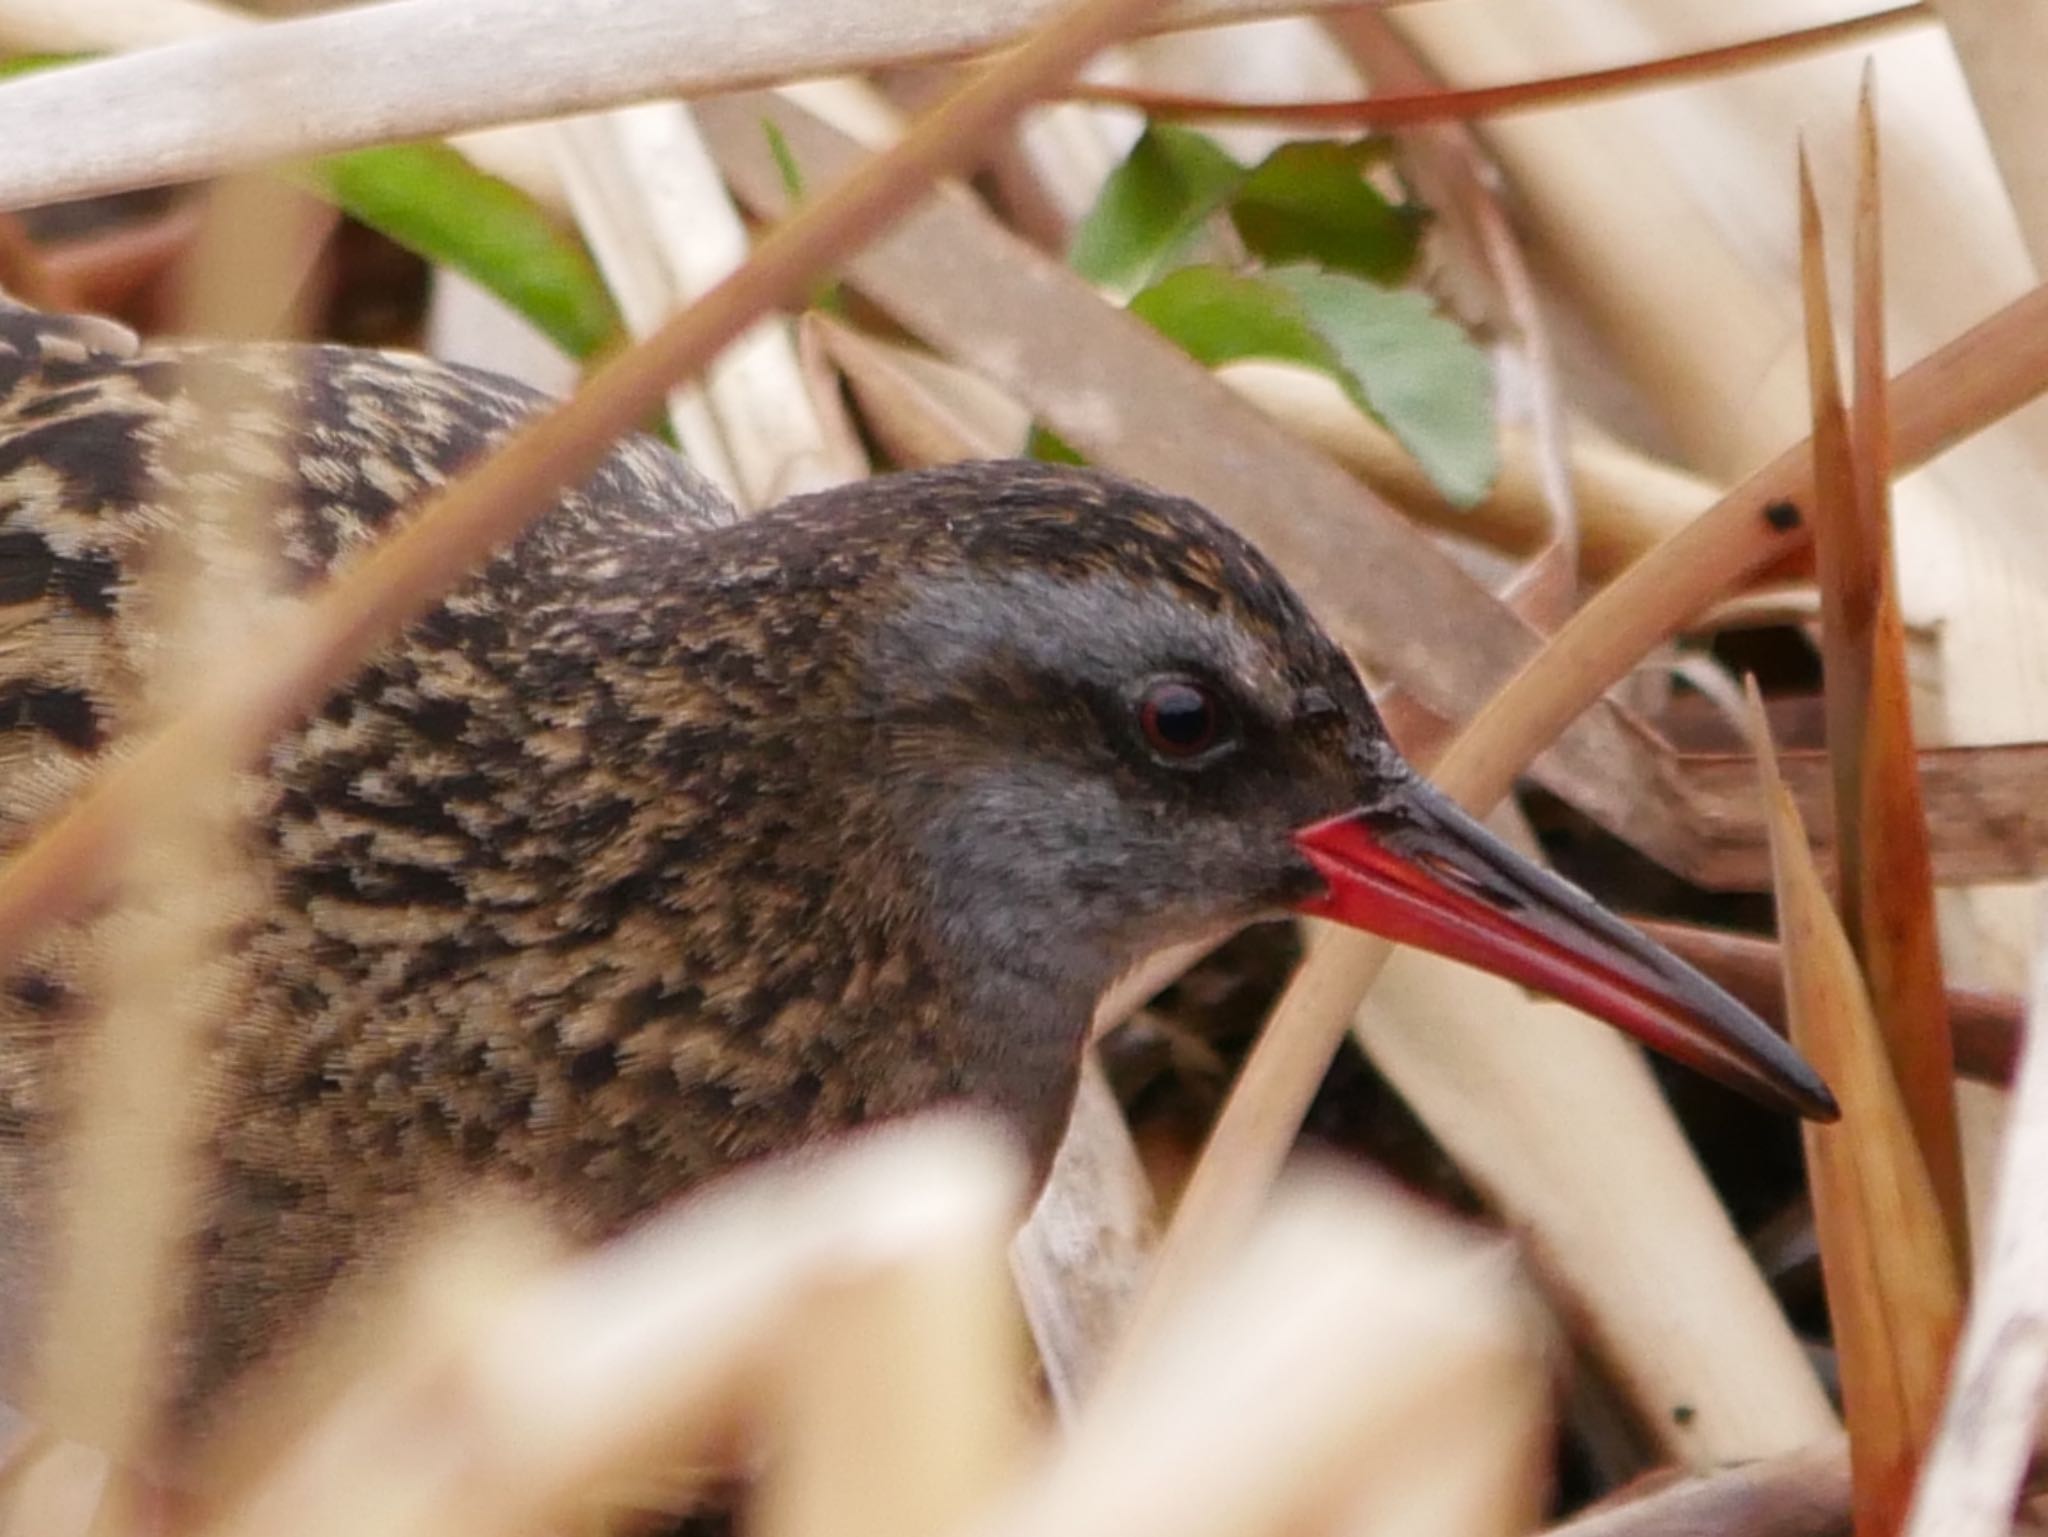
x: 1621, y: 1225
x: 2000, y: 48
x: 106, y: 1366
x: 64, y: 871
x: 412, y: 69
x: 1881, y: 839
x: 1801, y: 1494
x: 921, y: 409
x: 1354, y: 1345
x: 1459, y: 185
x: 896, y: 1404
x: 1894, y: 1294
x: 1078, y: 1260
x: 1990, y: 1425
x: 1987, y: 1026
x: 685, y: 235
x: 623, y: 1365
x: 1407, y: 107
x: 632, y: 253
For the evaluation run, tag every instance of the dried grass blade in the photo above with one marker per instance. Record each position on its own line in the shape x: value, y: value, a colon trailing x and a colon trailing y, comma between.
x: 896, y: 1410
x: 1802, y: 1494
x: 1990, y: 1428
x: 1881, y: 831
x: 1893, y: 1291
x: 1356, y: 1356
x: 63, y: 872
x: 624, y: 1364
x: 107, y: 1367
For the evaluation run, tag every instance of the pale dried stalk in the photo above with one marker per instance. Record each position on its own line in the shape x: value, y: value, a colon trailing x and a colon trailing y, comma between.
x: 64, y: 870
x: 628, y: 246
x: 128, y: 1183
x: 470, y: 325
x: 1627, y: 502
x: 1801, y: 1494
x: 629, y: 1362
x: 1990, y: 1424
x: 517, y: 154
x: 896, y: 1407
x: 414, y: 69
x: 2000, y: 48
x: 1622, y: 1225
x: 923, y: 410
x: 1078, y: 1260
x: 671, y: 233
x: 1355, y: 1345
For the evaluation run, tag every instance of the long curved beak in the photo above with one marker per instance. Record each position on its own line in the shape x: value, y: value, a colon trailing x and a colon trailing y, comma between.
x: 1416, y: 869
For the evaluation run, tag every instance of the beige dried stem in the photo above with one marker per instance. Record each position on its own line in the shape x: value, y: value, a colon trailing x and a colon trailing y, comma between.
x: 1801, y: 1494
x: 411, y: 69
x: 665, y: 230
x: 621, y: 1367
x: 1894, y: 1294
x: 1881, y: 835
x: 1990, y: 1426
x: 896, y: 1392
x: 65, y: 870
x: 1358, y: 1358
x: 128, y: 1181
x: 638, y: 260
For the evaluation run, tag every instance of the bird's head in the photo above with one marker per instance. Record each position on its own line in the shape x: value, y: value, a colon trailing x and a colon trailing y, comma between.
x: 1106, y: 723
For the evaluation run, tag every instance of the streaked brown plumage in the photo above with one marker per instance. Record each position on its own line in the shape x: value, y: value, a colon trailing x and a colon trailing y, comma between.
x: 674, y: 839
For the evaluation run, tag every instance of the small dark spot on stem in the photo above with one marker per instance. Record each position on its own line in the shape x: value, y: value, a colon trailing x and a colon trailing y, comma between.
x: 1783, y: 516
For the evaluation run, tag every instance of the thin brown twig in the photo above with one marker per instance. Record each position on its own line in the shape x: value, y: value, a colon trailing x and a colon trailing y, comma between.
x: 1412, y: 108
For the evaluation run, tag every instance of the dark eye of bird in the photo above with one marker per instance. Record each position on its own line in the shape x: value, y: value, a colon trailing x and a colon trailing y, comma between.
x: 1179, y: 719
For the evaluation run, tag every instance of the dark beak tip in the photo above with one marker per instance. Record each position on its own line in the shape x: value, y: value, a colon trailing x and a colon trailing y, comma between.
x: 1817, y: 1103
x: 1552, y: 938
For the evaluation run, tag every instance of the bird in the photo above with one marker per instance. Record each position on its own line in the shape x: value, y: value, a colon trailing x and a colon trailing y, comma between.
x: 674, y: 839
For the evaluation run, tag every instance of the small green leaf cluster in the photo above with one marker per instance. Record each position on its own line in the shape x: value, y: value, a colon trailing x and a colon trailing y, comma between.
x: 1325, y: 250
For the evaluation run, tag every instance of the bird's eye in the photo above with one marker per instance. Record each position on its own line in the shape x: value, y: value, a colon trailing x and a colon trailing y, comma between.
x: 1179, y: 719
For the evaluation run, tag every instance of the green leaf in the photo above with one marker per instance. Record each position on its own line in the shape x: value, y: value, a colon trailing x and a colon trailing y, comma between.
x: 1220, y: 316
x: 35, y: 63
x: 1415, y: 370
x: 1310, y: 202
x: 431, y: 200
x: 1048, y: 446
x: 1152, y: 208
x: 1394, y: 355
x: 785, y: 160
